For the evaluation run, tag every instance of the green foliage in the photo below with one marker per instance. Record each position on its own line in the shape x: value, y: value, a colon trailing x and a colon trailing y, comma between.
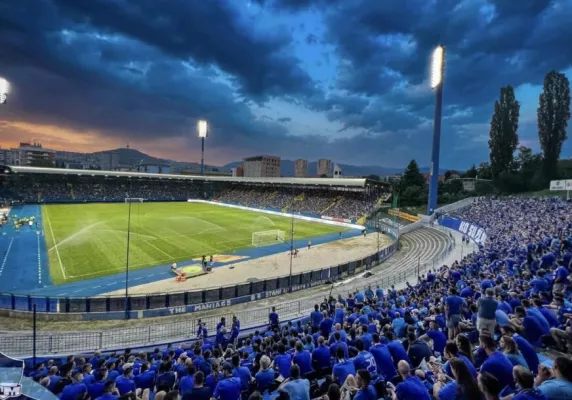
x: 503, y: 133
x: 412, y: 176
x: 484, y: 171
x: 553, y: 115
x: 471, y: 172
x: 484, y: 188
x: 565, y: 169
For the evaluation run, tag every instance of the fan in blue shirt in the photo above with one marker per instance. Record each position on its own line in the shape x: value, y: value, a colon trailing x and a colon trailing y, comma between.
x: 75, y: 390
x: 229, y: 387
x: 273, y: 318
x: 187, y: 382
x: 109, y: 392
x: 265, y: 377
x: 242, y: 373
x: 382, y: 357
x: 124, y: 383
x: 321, y: 355
x: 364, y: 359
x: 283, y: 361
x: 525, y: 384
x: 342, y: 368
x: 366, y: 390
x: 411, y: 388
x: 496, y: 363
x: 303, y: 359
x: 316, y: 317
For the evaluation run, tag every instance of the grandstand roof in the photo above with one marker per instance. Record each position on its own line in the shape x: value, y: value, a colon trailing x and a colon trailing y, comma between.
x: 347, y: 182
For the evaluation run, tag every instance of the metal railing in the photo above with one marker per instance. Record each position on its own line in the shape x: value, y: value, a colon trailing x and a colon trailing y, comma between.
x: 180, y: 331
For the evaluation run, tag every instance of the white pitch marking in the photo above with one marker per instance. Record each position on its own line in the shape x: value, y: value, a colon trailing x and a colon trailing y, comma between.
x: 56, y: 247
x: 158, y: 249
x: 6, y: 256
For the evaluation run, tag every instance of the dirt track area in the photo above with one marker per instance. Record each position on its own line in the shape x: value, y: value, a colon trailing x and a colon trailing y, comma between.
x: 328, y: 254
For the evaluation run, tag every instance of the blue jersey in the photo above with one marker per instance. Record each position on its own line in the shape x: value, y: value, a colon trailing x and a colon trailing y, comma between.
x: 365, y: 360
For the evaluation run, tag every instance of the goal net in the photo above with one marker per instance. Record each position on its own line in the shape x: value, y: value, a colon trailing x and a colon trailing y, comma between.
x: 265, y: 238
x: 134, y: 200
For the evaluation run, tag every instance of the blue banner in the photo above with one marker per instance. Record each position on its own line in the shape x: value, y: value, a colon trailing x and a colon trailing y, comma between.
x: 472, y: 231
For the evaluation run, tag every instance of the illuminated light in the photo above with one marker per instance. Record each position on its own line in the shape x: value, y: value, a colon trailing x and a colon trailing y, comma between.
x: 437, y: 64
x: 4, y: 90
x: 203, y: 128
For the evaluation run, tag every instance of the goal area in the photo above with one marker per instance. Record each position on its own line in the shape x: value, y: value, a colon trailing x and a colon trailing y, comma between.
x: 265, y: 238
x: 134, y: 200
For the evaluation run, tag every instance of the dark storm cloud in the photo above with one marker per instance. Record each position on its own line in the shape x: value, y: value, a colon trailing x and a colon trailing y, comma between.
x: 206, y: 31
x: 391, y: 41
x: 86, y: 77
x: 149, y: 69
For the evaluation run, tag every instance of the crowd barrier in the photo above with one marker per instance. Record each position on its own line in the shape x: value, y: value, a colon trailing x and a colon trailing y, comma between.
x: 155, y: 305
x: 472, y: 231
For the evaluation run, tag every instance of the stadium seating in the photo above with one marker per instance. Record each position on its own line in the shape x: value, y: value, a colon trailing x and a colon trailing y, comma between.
x: 510, y: 297
x: 335, y: 204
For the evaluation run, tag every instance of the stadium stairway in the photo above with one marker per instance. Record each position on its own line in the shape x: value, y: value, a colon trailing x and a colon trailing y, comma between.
x: 300, y: 197
x: 424, y: 247
x: 333, y: 203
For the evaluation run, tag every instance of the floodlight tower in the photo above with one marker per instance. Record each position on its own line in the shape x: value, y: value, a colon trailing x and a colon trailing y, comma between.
x: 4, y: 90
x: 437, y: 69
x: 203, y: 130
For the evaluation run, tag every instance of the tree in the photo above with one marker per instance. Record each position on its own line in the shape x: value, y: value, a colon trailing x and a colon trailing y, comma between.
x: 503, y: 134
x: 450, y: 172
x: 471, y: 172
x: 553, y: 115
x: 528, y: 165
x: 484, y: 171
x: 412, y: 176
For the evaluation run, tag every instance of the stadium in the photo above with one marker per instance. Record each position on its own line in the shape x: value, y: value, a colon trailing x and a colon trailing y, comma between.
x: 122, y: 284
x: 99, y: 248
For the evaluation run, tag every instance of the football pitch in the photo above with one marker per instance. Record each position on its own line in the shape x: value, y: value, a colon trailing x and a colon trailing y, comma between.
x: 86, y: 241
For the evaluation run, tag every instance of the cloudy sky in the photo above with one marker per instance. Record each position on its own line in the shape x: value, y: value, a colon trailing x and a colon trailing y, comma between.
x: 340, y: 79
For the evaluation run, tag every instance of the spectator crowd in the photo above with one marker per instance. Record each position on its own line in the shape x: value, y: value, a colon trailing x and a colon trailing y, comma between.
x: 54, y: 188
x: 472, y: 330
x: 336, y: 204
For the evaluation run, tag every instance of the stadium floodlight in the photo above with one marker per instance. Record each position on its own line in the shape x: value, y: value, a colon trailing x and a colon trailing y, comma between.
x: 437, y: 80
x: 4, y: 90
x: 203, y: 130
x: 437, y: 64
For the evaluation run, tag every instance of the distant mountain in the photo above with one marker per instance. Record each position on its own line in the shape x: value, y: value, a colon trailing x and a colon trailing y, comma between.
x: 287, y: 169
x: 135, y: 157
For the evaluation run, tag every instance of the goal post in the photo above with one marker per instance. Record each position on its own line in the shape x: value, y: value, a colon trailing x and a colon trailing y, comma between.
x: 134, y: 200
x: 265, y: 238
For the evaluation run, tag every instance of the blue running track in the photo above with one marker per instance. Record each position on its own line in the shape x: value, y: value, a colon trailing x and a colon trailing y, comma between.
x: 24, y: 265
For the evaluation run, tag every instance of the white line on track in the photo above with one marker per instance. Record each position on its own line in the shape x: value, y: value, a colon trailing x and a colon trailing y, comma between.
x: 39, y: 262
x: 6, y: 256
x: 55, y: 241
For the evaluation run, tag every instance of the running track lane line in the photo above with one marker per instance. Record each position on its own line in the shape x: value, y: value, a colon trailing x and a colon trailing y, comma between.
x: 39, y: 261
x: 55, y: 245
x: 6, y: 256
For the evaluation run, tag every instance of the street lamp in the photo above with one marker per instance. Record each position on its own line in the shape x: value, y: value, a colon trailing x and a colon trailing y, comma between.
x: 4, y: 90
x: 437, y: 68
x: 203, y: 129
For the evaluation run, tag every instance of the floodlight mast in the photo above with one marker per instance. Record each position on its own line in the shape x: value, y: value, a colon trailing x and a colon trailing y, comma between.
x: 203, y: 130
x: 4, y: 90
x: 437, y: 69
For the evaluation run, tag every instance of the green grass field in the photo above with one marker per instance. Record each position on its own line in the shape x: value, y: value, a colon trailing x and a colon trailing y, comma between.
x: 85, y: 241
